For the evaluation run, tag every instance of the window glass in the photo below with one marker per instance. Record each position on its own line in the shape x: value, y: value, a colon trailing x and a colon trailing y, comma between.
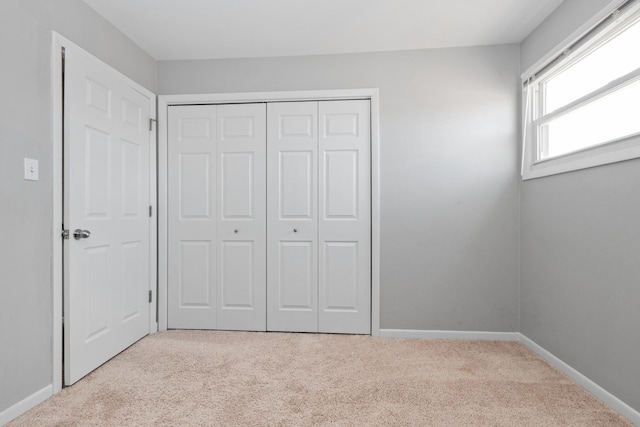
x: 612, y: 60
x: 610, y: 117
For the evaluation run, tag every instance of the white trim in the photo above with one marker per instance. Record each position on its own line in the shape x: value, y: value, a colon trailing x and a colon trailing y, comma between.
x: 609, y: 399
x: 25, y: 404
x: 58, y: 42
x: 229, y: 98
x: 163, y: 258
x: 234, y: 98
x: 375, y: 213
x: 153, y: 223
x: 56, y: 257
x: 603, y: 154
x: 449, y: 335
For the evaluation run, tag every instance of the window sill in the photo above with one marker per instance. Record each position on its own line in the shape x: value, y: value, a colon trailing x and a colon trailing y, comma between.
x: 616, y: 151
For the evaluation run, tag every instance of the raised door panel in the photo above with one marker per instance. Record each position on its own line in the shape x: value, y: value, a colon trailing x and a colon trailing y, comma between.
x: 292, y: 245
x: 195, y: 275
x: 238, y: 184
x: 295, y: 191
x: 341, y: 184
x: 132, y: 280
x: 192, y: 245
x: 194, y: 186
x: 241, y: 217
x: 296, y: 276
x: 340, y: 276
x: 345, y: 217
x: 99, y: 299
x: 97, y: 172
x: 236, y: 276
x: 132, y: 179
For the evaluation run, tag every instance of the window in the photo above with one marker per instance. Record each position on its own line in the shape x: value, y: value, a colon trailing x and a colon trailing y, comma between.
x: 583, y: 109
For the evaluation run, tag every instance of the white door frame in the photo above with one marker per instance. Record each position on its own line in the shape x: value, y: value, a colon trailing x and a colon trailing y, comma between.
x: 59, y: 42
x: 164, y: 101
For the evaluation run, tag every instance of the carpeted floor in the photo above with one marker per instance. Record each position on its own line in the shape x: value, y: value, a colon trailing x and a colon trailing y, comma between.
x: 207, y: 378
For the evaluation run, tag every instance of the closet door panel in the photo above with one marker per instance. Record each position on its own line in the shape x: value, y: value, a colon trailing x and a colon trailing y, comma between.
x: 241, y: 213
x: 296, y: 286
x: 344, y: 223
x: 192, y: 217
x: 295, y: 191
x: 292, y: 245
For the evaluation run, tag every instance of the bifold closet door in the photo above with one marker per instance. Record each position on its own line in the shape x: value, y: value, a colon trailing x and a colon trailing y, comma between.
x: 241, y: 218
x: 319, y: 217
x: 292, y: 219
x: 344, y: 218
x: 300, y: 170
x: 191, y: 217
x: 216, y: 217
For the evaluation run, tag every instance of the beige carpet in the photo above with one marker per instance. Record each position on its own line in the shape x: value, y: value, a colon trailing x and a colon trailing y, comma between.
x: 200, y: 378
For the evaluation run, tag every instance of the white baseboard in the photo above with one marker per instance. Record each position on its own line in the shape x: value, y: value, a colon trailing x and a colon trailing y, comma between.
x: 449, y: 335
x: 609, y: 399
x: 25, y: 404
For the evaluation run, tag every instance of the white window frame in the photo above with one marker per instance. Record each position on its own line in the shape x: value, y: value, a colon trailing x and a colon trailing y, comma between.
x: 612, y: 151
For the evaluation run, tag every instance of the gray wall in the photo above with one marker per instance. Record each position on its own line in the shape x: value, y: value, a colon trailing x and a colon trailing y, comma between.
x: 78, y: 22
x: 448, y: 132
x: 580, y: 243
x: 25, y: 206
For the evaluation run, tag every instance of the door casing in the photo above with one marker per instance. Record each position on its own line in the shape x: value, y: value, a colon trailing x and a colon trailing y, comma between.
x: 164, y: 101
x: 58, y: 43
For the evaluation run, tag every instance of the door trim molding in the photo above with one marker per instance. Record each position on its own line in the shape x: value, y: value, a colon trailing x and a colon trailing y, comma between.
x: 164, y: 101
x: 57, y: 169
x: 58, y: 42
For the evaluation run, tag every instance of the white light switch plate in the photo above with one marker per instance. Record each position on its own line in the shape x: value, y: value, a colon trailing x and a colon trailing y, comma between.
x: 30, y: 169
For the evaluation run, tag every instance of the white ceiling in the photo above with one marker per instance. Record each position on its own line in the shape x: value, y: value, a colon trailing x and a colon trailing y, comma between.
x: 199, y: 29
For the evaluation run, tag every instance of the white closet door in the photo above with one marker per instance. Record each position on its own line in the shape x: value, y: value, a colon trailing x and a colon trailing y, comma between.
x: 292, y: 245
x: 192, y: 217
x: 344, y: 217
x: 106, y: 202
x: 241, y: 225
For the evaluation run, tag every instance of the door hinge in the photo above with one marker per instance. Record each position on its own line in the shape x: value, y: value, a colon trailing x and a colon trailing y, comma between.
x: 150, y: 211
x: 150, y: 296
x: 151, y: 121
x: 65, y: 234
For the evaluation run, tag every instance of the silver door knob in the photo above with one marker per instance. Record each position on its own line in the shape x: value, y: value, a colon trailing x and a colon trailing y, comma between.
x: 235, y: 230
x: 81, y: 234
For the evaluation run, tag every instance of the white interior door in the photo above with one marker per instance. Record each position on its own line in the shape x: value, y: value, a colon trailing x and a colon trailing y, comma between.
x: 344, y: 220
x: 191, y: 217
x: 106, y: 199
x: 292, y: 206
x: 241, y: 218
